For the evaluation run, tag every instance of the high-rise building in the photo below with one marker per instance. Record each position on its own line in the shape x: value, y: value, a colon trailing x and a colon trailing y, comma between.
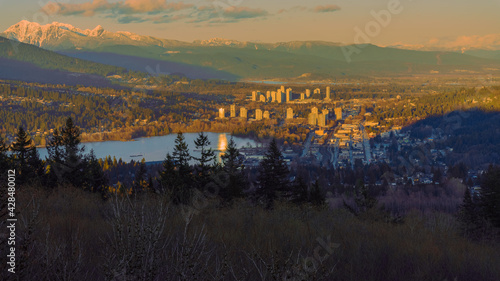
x: 254, y: 96
x: 325, y: 112
x: 302, y: 96
x: 308, y: 93
x: 262, y: 98
x: 312, y: 118
x: 314, y: 110
x: 321, y: 120
x: 221, y: 113
x: 317, y: 91
x: 266, y: 115
x: 258, y: 114
x: 282, y: 88
x: 243, y: 112
x: 273, y: 96
x: 327, y: 93
x: 233, y: 110
x: 288, y: 94
x: 338, y: 113
x: 268, y: 96
x: 289, y: 113
x: 280, y: 96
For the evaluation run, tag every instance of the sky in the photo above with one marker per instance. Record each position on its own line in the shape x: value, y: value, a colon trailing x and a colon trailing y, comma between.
x: 380, y: 22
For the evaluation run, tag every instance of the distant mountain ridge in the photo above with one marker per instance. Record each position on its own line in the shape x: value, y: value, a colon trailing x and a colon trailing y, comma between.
x: 235, y: 60
x: 60, y: 36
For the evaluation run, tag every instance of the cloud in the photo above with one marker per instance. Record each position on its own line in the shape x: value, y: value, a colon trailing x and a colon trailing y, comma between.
x: 244, y: 12
x: 155, y: 11
x: 130, y: 19
x: 292, y: 9
x: 118, y: 8
x: 212, y: 14
x: 326, y: 9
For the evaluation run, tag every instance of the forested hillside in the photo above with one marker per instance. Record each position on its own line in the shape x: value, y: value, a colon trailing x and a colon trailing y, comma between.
x: 50, y: 60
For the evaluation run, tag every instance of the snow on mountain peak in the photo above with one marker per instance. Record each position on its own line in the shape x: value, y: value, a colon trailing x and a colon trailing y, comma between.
x: 40, y: 35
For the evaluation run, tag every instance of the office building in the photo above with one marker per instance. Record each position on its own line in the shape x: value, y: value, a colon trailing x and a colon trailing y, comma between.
x: 288, y: 95
x: 321, y: 120
x: 338, y: 113
x: 327, y: 93
x: 221, y: 113
x: 258, y: 114
x: 243, y: 112
x: 312, y: 118
x: 233, y: 111
x: 280, y: 96
x: 289, y: 113
x: 325, y: 112
x: 254, y: 96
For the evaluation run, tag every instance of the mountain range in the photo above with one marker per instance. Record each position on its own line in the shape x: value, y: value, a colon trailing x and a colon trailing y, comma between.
x: 235, y: 60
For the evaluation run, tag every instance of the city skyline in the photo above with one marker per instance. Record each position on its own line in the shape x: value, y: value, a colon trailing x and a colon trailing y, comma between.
x: 404, y: 23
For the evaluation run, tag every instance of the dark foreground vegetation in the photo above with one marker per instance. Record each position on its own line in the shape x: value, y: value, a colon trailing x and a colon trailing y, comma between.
x: 69, y: 234
x: 212, y: 221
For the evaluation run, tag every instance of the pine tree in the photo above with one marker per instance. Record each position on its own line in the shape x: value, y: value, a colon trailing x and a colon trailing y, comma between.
x: 316, y: 196
x: 468, y: 216
x: 4, y: 158
x: 140, y: 184
x: 204, y: 168
x: 66, y: 159
x: 490, y: 195
x: 233, y: 168
x: 179, y: 181
x: 22, y: 149
x: 273, y: 175
x: 96, y: 180
x: 300, y: 193
x: 37, y: 167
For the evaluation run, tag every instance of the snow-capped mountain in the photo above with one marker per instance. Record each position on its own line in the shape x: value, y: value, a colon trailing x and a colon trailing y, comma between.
x: 59, y: 36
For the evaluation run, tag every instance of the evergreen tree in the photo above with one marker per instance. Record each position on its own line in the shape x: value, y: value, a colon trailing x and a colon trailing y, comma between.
x: 66, y: 159
x: 469, y: 216
x: 204, y: 168
x: 273, y: 175
x: 96, y: 179
x: 4, y: 158
x: 22, y: 149
x: 300, y: 193
x: 490, y: 195
x: 316, y: 196
x: 169, y: 179
x: 140, y: 183
x: 37, y: 167
x: 176, y: 176
x: 233, y: 168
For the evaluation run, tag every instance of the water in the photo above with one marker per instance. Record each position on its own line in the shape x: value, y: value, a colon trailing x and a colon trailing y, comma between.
x: 156, y: 148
